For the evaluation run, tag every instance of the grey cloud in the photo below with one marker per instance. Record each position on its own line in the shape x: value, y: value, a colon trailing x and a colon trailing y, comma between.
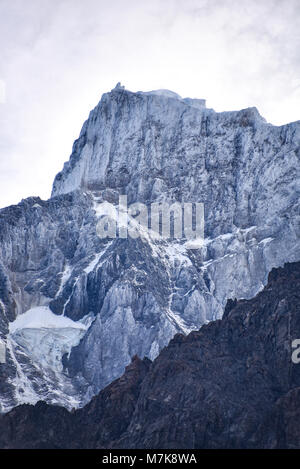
x: 59, y: 56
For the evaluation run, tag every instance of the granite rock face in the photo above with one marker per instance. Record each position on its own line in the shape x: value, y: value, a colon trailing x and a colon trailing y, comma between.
x: 131, y: 296
x: 232, y: 384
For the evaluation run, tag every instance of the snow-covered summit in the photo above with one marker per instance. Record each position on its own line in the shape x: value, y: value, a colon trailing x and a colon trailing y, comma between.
x: 165, y: 93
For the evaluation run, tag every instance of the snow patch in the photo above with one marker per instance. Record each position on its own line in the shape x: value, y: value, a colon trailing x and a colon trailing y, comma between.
x: 177, y: 252
x: 165, y: 93
x: 46, y: 337
x: 266, y: 241
x: 66, y: 274
x: 42, y: 317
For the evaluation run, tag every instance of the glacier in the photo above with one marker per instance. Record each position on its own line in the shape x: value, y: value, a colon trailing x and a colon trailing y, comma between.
x: 126, y: 297
x: 47, y: 337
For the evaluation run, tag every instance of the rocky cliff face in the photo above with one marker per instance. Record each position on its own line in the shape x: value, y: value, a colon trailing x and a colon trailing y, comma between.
x: 232, y: 384
x: 119, y: 297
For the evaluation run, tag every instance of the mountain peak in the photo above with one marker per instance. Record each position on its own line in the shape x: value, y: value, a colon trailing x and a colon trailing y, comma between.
x: 130, y: 296
x: 118, y: 86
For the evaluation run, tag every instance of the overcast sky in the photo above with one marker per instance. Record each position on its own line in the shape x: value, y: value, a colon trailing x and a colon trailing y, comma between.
x: 59, y: 56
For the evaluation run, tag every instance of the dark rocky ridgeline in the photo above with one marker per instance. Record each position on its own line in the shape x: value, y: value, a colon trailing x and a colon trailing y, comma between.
x: 232, y: 384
